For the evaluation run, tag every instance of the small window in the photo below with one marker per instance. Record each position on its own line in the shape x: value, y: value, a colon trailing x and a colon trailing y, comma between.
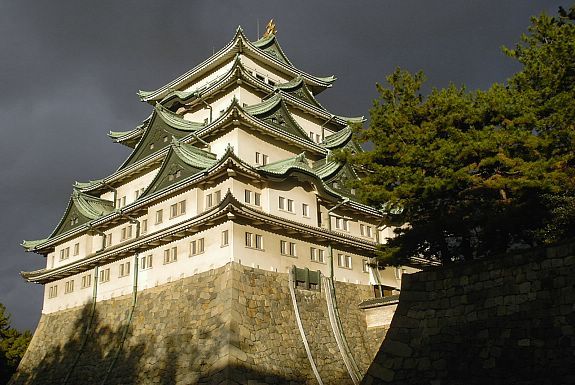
x: 217, y: 197
x: 317, y: 138
x: 108, y: 239
x: 86, y: 281
x: 126, y: 233
x: 170, y: 255
x: 365, y: 265
x: 257, y: 199
x: 247, y: 196
x: 290, y: 206
x: 282, y: 203
x: 69, y: 287
x: 264, y: 159
x: 206, y: 121
x: 316, y: 255
x: 288, y: 248
x: 305, y: 210
x: 341, y: 223
x: 271, y: 82
x: 344, y: 261
x: 159, y: 216
x: 225, y: 238
x: 53, y: 291
x: 123, y: 201
x: 64, y: 253
x: 105, y: 275
x: 254, y: 241
x: 76, y: 249
x: 197, y: 247
x: 124, y: 269
x: 74, y: 221
x: 165, y: 139
x: 152, y: 146
x: 178, y: 209
x: 311, y: 135
x: 144, y: 226
x: 368, y: 231
x: 146, y: 262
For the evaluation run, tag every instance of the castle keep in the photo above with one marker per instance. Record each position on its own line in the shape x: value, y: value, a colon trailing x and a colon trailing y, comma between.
x: 227, y: 248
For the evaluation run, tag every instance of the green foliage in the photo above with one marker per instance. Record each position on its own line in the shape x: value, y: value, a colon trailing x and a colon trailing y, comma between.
x: 13, y: 345
x: 478, y: 173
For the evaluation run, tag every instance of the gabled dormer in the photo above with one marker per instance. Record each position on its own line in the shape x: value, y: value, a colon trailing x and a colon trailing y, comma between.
x: 161, y: 127
x: 275, y: 112
x: 181, y: 162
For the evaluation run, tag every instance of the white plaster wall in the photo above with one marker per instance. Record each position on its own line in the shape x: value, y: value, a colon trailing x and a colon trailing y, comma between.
x: 129, y: 189
x: 85, y: 247
x: 208, y: 77
x: 248, y: 143
x: 264, y: 70
x: 221, y: 102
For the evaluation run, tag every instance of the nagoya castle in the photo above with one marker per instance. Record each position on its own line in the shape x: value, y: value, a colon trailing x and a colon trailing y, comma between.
x: 228, y: 248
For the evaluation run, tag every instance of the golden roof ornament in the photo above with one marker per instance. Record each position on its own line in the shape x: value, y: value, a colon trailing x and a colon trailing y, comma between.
x: 270, y: 29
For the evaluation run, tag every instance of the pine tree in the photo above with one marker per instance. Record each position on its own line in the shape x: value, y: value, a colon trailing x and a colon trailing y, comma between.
x: 478, y: 173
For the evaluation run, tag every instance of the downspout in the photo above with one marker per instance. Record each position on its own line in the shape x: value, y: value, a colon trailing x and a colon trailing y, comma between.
x: 115, y: 190
x: 92, y: 311
x: 329, y: 246
x: 333, y: 311
x: 206, y: 103
x: 323, y: 127
x: 376, y: 270
x: 134, y: 298
x: 201, y: 141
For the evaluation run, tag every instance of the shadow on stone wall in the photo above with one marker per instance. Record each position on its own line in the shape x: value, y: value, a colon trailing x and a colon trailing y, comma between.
x: 181, y: 358
x: 506, y: 321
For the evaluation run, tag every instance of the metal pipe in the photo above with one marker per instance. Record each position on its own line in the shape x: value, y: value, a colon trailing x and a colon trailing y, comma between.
x: 115, y: 190
x: 323, y: 127
x: 329, y: 246
x: 134, y: 298
x: 202, y: 141
x: 206, y: 103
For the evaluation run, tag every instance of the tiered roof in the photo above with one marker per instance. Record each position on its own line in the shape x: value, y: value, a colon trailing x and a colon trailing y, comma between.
x: 168, y: 141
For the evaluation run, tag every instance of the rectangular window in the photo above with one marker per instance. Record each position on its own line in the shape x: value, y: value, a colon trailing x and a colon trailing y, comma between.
x: 254, y: 241
x: 126, y: 233
x: 225, y: 238
x: 290, y: 206
x: 159, y: 216
x: 313, y: 254
x: 64, y: 253
x: 305, y: 210
x: 368, y: 231
x: 146, y: 262
x: 344, y: 261
x: 123, y: 201
x: 362, y: 229
x: 104, y: 275
x: 321, y: 256
x: 288, y: 248
x: 177, y: 209
x: 264, y: 159
x: 197, y: 247
x: 257, y: 199
x: 341, y: 224
x: 144, y: 227
x: 364, y: 266
x: 247, y: 196
x: 209, y: 201
x: 259, y: 242
x: 124, y: 269
x: 86, y: 281
x: 317, y: 138
x: 76, y: 249
x: 217, y: 197
x: 311, y: 135
x: 282, y: 203
x: 170, y: 255
x: 53, y: 291
x: 68, y: 287
x: 109, y: 240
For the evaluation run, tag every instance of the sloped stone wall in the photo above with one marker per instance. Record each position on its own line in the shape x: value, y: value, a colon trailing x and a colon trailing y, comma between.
x: 227, y: 326
x: 504, y: 321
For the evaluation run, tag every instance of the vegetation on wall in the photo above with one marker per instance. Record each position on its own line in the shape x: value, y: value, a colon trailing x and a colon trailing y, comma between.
x: 478, y: 173
x: 13, y: 345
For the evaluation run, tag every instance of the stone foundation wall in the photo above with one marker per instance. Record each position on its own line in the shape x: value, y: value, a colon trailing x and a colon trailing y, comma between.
x: 505, y: 321
x: 227, y: 326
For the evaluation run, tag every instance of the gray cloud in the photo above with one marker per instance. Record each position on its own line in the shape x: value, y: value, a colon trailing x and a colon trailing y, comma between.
x: 70, y: 70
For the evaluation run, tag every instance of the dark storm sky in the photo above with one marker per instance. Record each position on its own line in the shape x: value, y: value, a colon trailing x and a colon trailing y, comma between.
x: 69, y: 72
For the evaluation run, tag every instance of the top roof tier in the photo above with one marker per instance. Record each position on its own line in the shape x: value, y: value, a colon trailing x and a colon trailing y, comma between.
x: 266, y: 51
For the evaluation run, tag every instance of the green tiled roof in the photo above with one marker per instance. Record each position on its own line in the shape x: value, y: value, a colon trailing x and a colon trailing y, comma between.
x: 337, y: 139
x: 270, y: 46
x: 29, y: 245
x: 176, y: 121
x: 283, y: 166
x: 324, y: 168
